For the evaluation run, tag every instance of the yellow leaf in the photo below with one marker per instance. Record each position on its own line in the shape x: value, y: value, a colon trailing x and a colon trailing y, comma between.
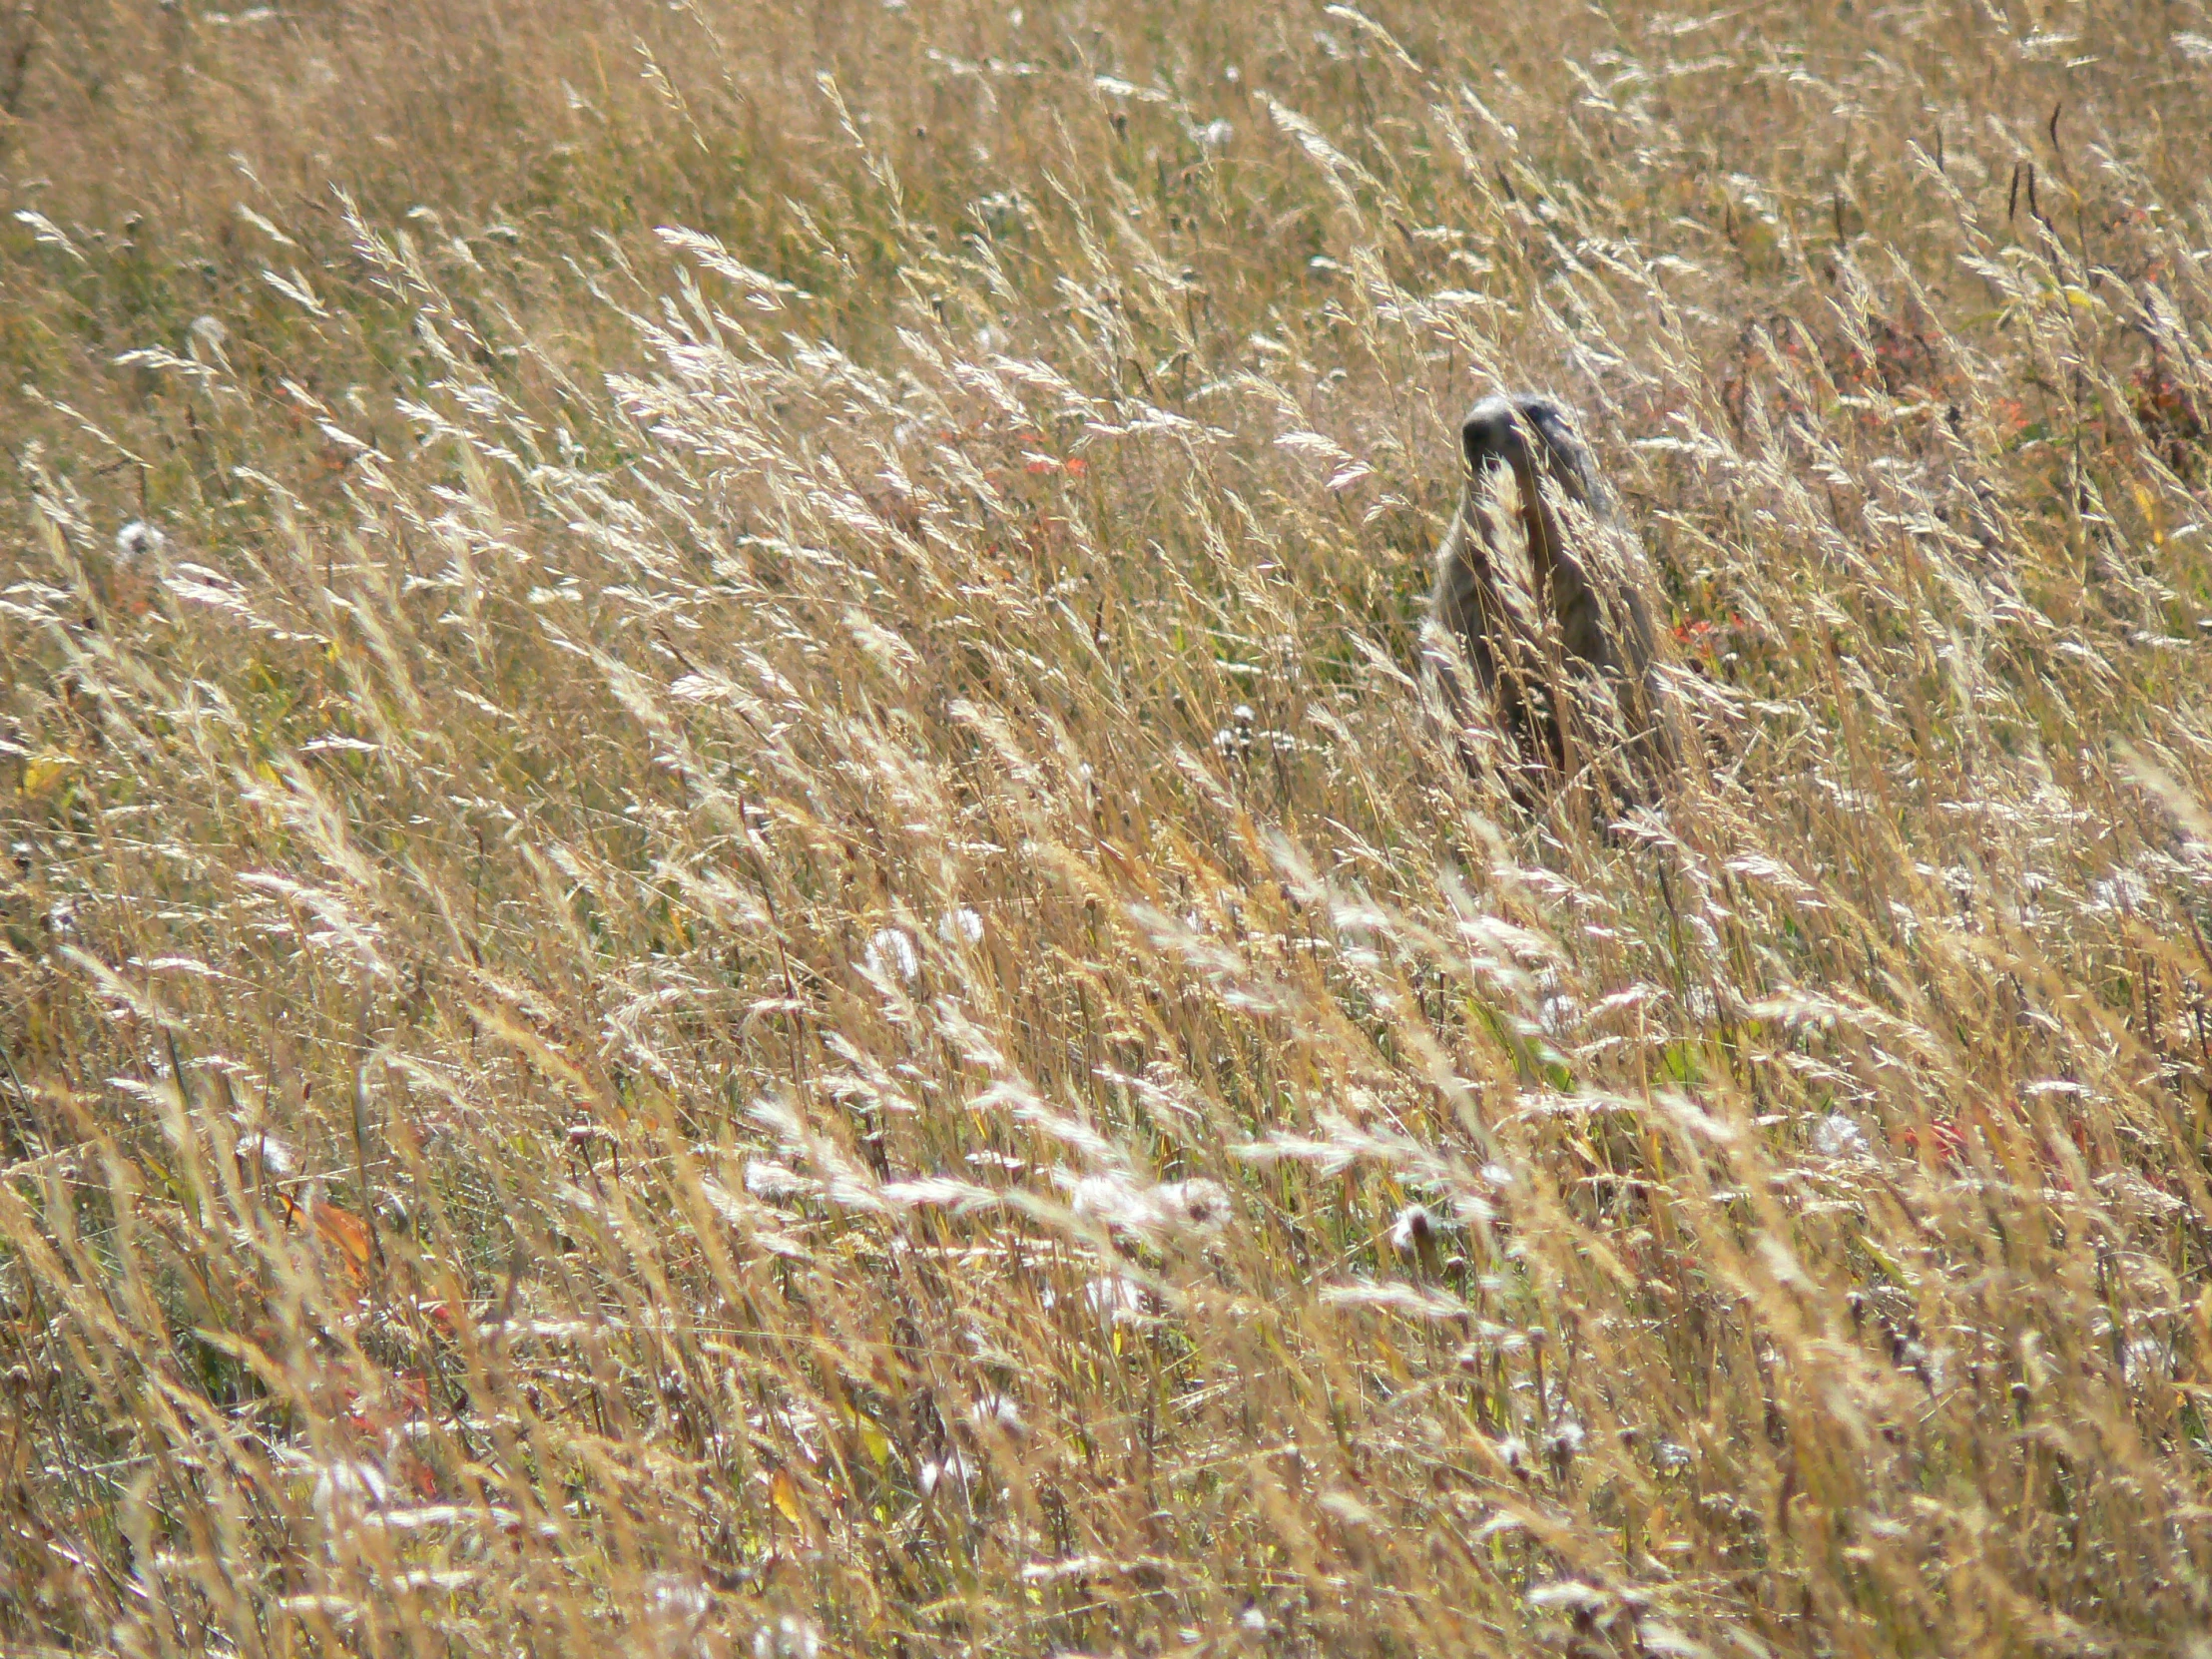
x: 785, y: 1497
x: 878, y: 1443
x: 42, y: 771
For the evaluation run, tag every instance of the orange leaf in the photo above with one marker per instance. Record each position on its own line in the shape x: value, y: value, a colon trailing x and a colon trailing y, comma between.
x: 345, y: 1234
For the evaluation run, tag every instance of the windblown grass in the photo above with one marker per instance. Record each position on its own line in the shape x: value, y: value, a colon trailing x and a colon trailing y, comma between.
x: 733, y: 928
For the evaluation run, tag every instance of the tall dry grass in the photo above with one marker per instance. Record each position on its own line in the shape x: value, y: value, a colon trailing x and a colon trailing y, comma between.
x: 736, y: 930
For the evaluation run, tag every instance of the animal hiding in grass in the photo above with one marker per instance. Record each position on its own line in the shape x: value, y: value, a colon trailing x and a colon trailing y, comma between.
x: 1542, y: 641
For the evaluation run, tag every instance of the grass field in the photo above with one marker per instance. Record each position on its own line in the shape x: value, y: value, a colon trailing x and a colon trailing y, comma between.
x: 732, y: 926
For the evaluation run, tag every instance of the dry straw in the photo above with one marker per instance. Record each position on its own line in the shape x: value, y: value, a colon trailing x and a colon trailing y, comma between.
x: 734, y: 925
